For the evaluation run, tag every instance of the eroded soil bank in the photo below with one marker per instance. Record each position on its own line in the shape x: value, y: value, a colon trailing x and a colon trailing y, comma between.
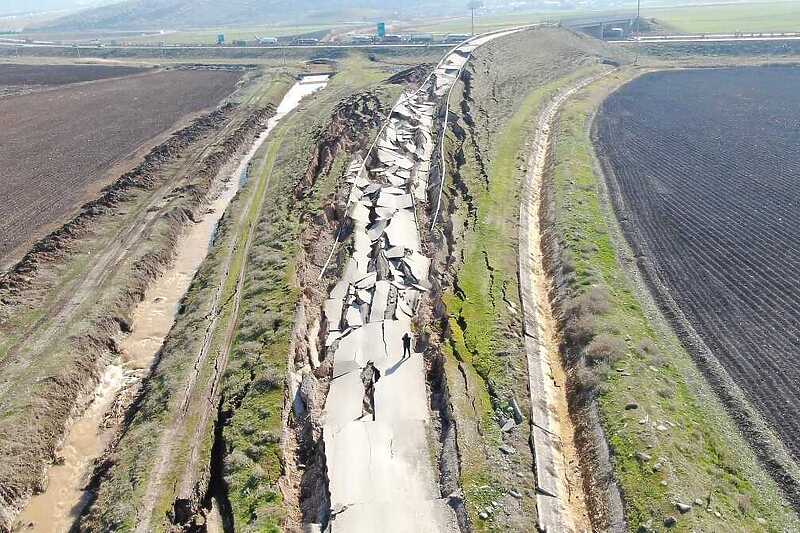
x: 189, y: 431
x: 163, y: 232
x: 63, y: 500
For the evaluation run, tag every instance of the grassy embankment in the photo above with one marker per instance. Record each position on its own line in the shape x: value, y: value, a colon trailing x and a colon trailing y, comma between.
x: 127, y: 479
x: 481, y: 317
x: 691, y: 448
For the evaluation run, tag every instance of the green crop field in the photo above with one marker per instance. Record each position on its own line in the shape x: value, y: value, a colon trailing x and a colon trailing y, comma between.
x: 724, y: 18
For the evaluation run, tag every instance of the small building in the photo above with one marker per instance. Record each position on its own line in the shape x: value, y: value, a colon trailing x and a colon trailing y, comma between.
x: 221, y: 39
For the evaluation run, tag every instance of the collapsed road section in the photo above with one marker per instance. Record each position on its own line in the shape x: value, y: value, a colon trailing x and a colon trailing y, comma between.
x: 379, y: 465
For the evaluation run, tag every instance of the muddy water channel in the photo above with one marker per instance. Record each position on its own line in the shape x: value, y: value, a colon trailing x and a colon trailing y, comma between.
x: 56, y: 509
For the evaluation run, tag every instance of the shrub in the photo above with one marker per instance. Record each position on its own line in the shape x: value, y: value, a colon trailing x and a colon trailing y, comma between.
x: 580, y: 330
x: 589, y: 379
x: 586, y: 379
x: 745, y: 503
x: 647, y: 346
x: 666, y: 394
x: 593, y: 301
x: 268, y: 379
x: 596, y: 300
x: 605, y: 348
x: 567, y: 263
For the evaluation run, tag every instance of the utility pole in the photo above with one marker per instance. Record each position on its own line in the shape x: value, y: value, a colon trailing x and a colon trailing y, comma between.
x: 636, y: 31
x: 638, y: 15
x: 472, y: 6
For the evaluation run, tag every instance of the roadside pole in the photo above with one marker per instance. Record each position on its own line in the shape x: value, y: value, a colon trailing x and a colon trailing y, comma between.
x: 636, y: 31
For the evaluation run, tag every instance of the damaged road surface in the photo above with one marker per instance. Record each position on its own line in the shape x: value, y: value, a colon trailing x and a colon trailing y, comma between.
x: 381, y: 473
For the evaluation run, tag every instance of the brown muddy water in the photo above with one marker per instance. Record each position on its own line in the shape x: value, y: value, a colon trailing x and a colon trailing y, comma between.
x: 56, y: 509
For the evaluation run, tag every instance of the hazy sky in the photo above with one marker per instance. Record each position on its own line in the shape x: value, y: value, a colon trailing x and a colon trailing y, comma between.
x: 27, y: 6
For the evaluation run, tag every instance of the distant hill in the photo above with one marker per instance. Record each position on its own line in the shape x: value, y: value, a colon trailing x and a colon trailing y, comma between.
x: 178, y: 14
x: 17, y: 7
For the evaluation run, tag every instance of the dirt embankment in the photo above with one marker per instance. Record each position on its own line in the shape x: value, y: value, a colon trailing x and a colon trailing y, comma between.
x: 343, y: 134
x: 413, y: 75
x: 208, y: 171
x: 66, y: 393
x: 22, y: 276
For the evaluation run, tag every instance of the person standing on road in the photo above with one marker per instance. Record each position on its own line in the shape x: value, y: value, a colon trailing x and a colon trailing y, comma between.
x: 369, y: 377
x: 406, y: 345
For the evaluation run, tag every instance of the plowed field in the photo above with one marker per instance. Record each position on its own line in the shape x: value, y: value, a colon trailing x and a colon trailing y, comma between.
x: 705, y: 169
x: 26, y: 75
x: 57, y: 147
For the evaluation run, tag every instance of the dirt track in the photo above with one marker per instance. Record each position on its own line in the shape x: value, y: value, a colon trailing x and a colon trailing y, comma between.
x: 58, y: 147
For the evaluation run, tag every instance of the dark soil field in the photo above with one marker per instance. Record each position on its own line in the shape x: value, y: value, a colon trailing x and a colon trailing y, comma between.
x: 47, y: 75
x: 58, y: 147
x: 704, y: 168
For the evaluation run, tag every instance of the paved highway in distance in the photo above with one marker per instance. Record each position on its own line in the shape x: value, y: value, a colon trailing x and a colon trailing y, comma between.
x: 712, y: 37
x: 212, y: 47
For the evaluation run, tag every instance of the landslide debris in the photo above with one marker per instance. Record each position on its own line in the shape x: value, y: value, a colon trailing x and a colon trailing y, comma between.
x: 344, y: 133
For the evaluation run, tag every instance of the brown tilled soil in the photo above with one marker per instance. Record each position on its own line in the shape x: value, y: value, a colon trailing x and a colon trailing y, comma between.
x: 60, y: 146
x: 46, y: 379
x: 50, y: 75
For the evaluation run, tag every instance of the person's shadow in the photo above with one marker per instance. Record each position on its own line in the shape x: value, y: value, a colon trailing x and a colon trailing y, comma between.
x: 392, y: 369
